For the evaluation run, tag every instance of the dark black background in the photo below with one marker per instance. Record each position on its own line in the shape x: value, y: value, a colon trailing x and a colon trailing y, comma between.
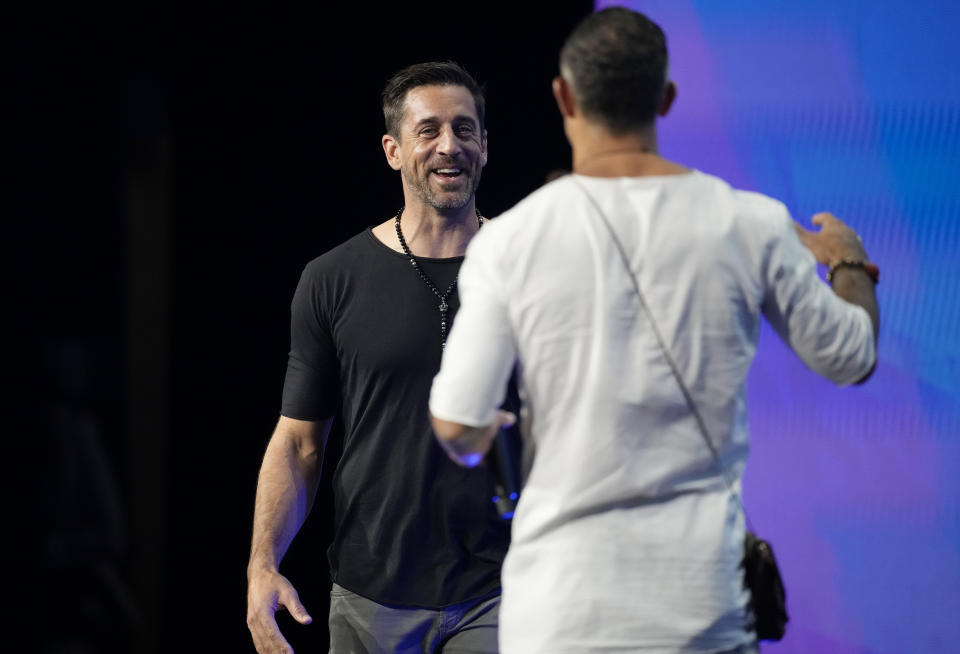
x: 175, y: 166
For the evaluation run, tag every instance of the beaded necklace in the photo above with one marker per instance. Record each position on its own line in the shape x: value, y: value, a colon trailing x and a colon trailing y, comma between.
x: 443, y: 306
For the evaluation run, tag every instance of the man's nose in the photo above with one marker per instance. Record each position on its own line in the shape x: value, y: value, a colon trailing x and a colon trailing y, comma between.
x: 448, y: 143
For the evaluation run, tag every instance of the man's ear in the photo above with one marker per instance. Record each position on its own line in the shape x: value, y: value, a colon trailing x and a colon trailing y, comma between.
x: 669, y: 95
x: 483, y: 149
x: 391, y: 148
x: 563, y: 94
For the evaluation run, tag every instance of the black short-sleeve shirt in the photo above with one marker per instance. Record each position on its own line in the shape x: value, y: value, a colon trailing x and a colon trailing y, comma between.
x: 411, y: 527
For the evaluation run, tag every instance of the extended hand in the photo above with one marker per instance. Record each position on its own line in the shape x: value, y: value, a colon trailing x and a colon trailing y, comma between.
x: 465, y: 445
x: 268, y: 592
x: 834, y: 242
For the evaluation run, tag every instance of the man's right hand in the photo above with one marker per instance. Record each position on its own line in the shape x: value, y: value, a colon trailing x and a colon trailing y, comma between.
x: 268, y: 592
x: 834, y: 242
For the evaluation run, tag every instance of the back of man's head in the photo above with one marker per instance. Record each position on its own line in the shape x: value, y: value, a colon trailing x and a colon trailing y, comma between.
x: 616, y: 62
x: 431, y: 73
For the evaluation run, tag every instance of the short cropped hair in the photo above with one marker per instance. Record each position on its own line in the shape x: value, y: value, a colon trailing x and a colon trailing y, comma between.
x: 616, y: 62
x: 432, y: 73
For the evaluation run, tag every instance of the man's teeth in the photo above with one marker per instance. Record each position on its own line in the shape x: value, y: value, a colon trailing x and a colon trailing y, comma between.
x: 448, y: 171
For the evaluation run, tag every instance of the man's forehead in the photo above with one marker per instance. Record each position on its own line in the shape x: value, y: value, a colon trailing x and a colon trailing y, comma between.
x: 439, y: 102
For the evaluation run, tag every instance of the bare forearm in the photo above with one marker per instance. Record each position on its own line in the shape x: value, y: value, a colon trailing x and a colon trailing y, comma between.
x: 287, y: 485
x: 855, y: 286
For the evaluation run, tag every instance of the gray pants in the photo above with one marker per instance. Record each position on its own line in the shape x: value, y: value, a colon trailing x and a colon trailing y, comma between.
x: 362, y: 626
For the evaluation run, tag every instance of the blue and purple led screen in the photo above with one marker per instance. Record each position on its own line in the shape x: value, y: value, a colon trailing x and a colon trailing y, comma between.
x: 851, y: 107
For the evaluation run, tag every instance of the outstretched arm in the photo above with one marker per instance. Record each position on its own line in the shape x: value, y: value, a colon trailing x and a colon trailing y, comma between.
x: 289, y: 476
x: 835, y: 242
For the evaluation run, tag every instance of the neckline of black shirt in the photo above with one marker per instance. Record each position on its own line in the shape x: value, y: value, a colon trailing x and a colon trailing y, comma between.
x: 369, y: 232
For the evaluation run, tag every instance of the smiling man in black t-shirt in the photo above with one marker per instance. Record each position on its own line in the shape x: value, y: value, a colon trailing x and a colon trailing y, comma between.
x: 415, y: 559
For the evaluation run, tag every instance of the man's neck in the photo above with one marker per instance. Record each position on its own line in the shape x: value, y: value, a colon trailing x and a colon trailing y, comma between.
x: 599, y: 153
x: 429, y: 232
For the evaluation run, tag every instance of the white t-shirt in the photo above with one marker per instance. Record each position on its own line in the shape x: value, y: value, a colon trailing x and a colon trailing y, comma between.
x: 626, y: 536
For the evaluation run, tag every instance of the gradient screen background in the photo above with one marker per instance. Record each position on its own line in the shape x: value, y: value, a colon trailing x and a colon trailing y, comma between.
x: 851, y: 107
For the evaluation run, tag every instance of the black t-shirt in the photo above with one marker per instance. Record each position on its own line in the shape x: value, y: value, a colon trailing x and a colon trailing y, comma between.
x: 411, y: 527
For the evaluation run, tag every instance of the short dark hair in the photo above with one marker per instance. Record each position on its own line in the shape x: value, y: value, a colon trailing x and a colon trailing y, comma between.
x: 431, y: 73
x: 616, y: 61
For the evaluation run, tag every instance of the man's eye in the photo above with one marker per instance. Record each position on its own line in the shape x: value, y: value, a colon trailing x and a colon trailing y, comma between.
x: 428, y: 131
x: 465, y: 130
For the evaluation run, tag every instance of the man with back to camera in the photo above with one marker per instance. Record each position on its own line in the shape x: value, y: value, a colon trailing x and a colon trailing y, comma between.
x: 418, y: 546
x: 630, y: 294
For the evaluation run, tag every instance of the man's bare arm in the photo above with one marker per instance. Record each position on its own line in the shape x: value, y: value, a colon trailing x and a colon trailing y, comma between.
x: 836, y: 242
x: 286, y: 488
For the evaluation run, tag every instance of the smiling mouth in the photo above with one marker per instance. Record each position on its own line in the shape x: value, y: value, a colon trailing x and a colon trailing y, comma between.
x: 448, y: 173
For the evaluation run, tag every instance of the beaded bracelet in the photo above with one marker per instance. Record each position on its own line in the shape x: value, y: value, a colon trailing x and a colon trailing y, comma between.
x: 868, y: 267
